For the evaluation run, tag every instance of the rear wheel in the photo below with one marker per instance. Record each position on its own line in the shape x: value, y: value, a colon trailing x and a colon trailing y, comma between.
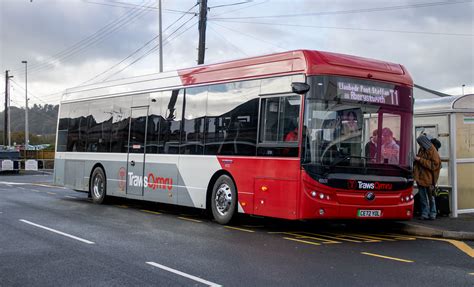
x: 98, y: 186
x: 224, y: 199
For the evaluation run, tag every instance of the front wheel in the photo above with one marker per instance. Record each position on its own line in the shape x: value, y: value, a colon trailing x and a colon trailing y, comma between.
x: 224, y: 199
x: 98, y: 186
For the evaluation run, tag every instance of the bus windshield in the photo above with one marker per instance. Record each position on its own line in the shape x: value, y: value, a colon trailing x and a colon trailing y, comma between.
x: 353, y: 125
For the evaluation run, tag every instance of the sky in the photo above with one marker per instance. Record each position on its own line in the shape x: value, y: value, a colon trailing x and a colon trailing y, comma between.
x: 71, y: 42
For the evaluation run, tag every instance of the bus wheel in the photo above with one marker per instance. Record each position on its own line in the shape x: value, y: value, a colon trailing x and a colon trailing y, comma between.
x: 223, y: 199
x: 98, y: 186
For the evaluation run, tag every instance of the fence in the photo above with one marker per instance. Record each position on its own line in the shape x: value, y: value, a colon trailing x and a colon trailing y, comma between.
x: 28, y: 160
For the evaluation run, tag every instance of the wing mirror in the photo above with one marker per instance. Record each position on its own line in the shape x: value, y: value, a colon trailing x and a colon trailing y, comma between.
x: 299, y: 88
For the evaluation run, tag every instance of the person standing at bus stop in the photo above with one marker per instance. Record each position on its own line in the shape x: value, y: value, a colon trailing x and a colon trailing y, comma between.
x: 426, y: 173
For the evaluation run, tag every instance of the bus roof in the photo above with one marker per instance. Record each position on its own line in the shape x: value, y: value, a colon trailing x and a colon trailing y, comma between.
x: 286, y: 63
x: 291, y: 62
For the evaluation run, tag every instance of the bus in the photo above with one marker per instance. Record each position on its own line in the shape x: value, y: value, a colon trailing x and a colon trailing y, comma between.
x: 295, y: 135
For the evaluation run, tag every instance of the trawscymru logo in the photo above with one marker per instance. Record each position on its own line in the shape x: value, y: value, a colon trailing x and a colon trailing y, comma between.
x: 374, y: 185
x: 151, y: 181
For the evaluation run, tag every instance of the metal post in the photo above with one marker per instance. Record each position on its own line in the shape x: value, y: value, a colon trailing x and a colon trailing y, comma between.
x: 160, y: 37
x: 7, y: 108
x: 453, y: 165
x: 463, y: 89
x: 5, y: 121
x: 27, y: 134
x: 202, y: 31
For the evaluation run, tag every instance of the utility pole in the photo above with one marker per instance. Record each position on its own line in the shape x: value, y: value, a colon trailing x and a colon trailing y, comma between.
x: 27, y: 134
x: 6, y: 128
x: 202, y: 31
x: 160, y: 37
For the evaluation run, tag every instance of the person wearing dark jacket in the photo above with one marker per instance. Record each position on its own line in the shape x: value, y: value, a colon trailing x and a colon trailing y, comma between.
x: 426, y: 173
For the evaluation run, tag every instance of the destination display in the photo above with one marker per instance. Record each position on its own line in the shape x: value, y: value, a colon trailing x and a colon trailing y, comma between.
x: 367, y: 93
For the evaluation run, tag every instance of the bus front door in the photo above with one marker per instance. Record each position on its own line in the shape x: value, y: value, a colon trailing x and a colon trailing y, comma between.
x: 136, y: 151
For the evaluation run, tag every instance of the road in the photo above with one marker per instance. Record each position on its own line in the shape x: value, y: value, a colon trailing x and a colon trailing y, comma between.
x: 57, y: 237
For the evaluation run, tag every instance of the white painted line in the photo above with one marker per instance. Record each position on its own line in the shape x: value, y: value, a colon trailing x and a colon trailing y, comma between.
x: 12, y: 183
x: 68, y: 196
x: 22, y: 188
x: 35, y: 190
x: 48, y: 185
x: 183, y: 274
x: 58, y: 232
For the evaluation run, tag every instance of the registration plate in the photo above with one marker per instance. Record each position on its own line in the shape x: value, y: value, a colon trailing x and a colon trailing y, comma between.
x: 368, y: 213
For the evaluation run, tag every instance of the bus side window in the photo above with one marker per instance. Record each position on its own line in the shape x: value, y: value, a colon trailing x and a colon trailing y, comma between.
x: 120, y: 124
x: 63, y: 127
x: 100, y: 123
x: 170, y: 132
x: 193, y: 125
x: 279, y: 126
x: 77, y: 130
x: 232, y: 119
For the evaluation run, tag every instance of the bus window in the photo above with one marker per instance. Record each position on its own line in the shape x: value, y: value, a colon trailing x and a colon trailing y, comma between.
x: 155, y: 121
x: 100, y: 123
x: 170, y: 131
x: 120, y: 123
x: 232, y: 119
x: 77, y: 134
x: 193, y: 126
x: 279, y: 126
x: 63, y: 127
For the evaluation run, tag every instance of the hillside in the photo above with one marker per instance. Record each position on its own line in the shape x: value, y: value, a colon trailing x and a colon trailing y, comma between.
x: 42, y: 123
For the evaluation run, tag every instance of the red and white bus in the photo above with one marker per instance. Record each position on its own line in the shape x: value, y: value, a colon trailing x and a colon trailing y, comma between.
x: 295, y: 135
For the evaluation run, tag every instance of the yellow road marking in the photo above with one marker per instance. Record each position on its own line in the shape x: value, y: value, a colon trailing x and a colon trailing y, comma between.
x: 189, y: 219
x: 369, y: 236
x: 51, y: 193
x: 312, y: 236
x: 122, y: 206
x: 340, y: 238
x: 399, y: 236
x: 459, y: 244
x: 302, y: 241
x: 241, y: 229
x: 387, y: 257
x: 364, y: 239
x: 149, y: 211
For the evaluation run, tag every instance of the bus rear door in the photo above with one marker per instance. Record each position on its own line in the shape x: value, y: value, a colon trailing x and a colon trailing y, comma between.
x: 136, y: 151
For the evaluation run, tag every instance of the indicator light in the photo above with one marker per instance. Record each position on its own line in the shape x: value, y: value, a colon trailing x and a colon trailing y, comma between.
x: 313, y: 193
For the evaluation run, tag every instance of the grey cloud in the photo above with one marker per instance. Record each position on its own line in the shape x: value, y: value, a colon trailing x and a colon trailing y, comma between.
x: 46, y: 27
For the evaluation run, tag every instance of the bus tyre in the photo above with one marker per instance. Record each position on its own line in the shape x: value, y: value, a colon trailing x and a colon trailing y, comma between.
x: 98, y: 186
x: 224, y: 199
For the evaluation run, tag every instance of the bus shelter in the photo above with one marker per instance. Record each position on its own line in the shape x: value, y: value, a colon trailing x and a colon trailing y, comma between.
x: 451, y: 120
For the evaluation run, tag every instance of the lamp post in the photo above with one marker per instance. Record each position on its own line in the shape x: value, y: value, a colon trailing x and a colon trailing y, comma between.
x: 463, y: 89
x: 27, y: 140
